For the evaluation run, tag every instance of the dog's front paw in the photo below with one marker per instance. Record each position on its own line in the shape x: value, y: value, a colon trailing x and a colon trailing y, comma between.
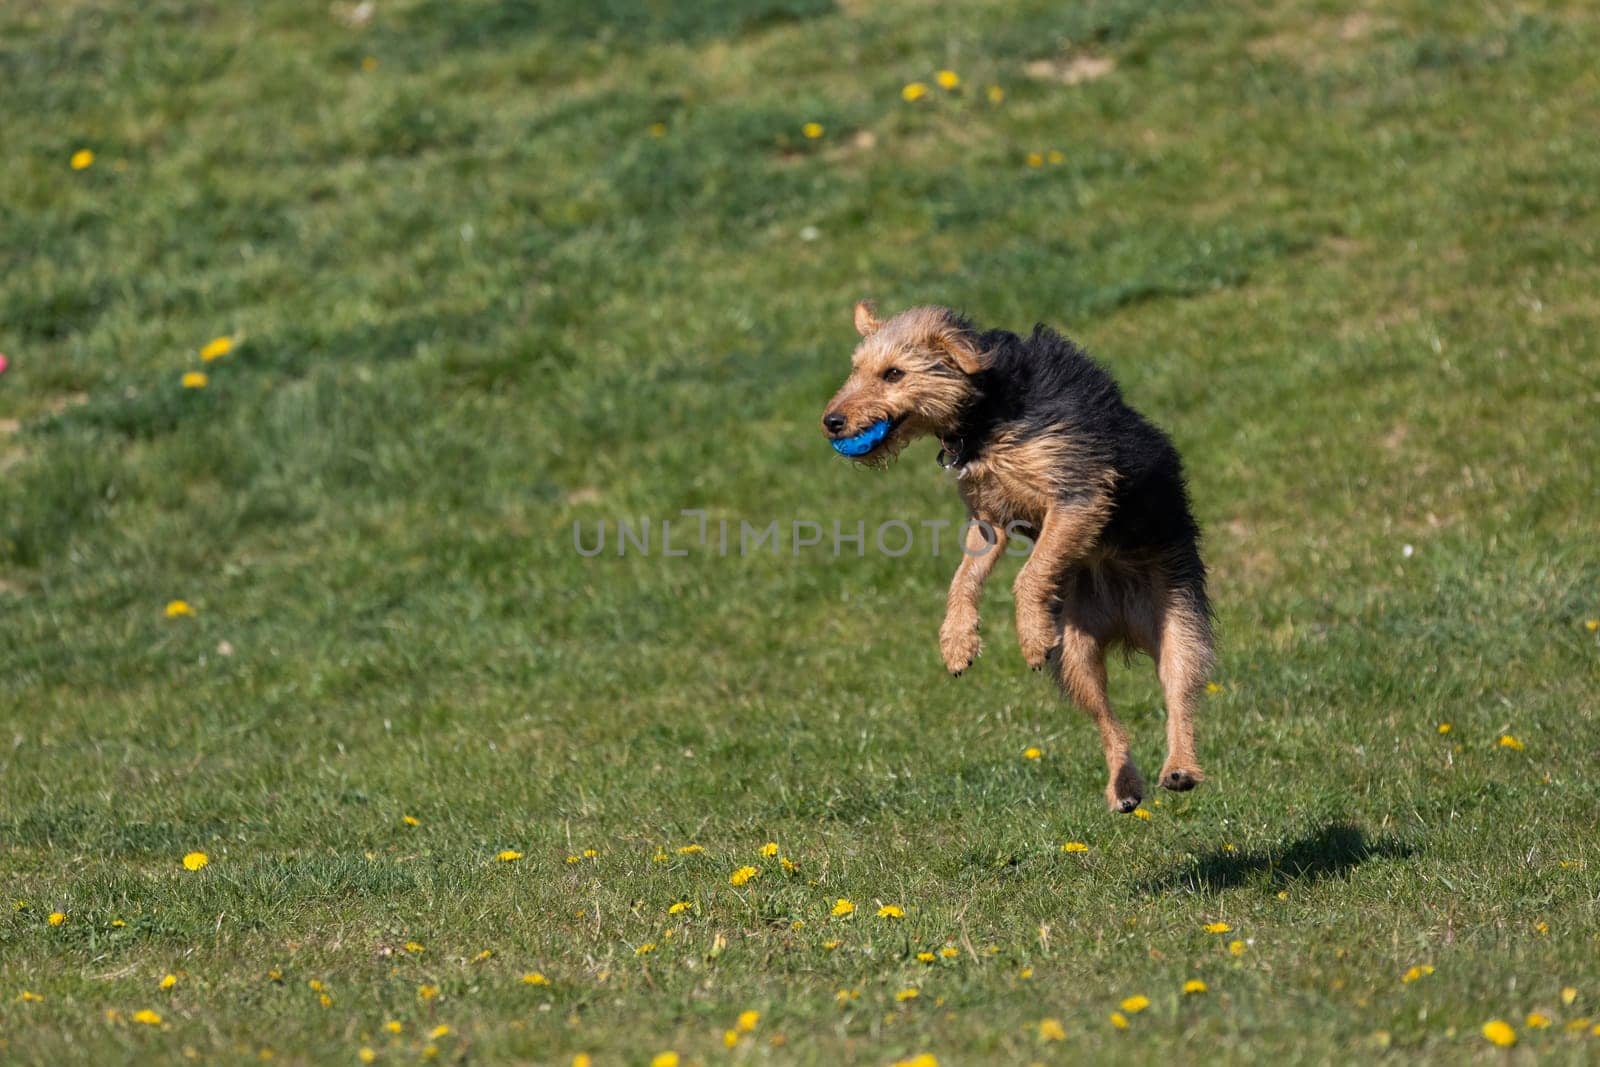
x: 1037, y: 638
x: 960, y: 644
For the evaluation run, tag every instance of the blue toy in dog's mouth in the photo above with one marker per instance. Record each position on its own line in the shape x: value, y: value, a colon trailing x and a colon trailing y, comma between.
x: 865, y: 441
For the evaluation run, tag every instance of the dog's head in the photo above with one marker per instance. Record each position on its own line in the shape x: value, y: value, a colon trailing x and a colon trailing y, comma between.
x: 909, y: 376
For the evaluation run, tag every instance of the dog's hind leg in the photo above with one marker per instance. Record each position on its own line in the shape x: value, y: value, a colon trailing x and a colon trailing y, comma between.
x: 1183, y: 661
x: 1083, y: 676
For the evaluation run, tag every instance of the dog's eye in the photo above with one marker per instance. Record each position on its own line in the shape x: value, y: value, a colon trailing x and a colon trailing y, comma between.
x: 893, y: 374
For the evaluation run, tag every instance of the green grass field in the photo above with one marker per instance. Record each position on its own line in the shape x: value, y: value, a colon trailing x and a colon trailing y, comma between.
x: 494, y: 267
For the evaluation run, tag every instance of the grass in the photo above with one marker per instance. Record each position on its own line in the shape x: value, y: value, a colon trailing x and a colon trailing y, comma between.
x: 1347, y: 257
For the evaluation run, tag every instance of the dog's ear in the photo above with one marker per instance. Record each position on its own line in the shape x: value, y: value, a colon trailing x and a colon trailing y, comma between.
x: 866, y: 318
x: 955, y: 345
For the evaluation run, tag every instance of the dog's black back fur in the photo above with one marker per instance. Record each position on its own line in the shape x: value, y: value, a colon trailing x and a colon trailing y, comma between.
x: 1046, y: 384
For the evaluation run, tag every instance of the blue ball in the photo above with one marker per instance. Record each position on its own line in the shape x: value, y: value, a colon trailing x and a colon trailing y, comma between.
x: 863, y: 442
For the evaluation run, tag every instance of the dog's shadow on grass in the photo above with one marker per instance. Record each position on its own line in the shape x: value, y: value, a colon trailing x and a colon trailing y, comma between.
x: 1332, y: 850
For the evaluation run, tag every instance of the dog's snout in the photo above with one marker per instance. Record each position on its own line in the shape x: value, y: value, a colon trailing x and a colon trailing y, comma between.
x: 833, y: 422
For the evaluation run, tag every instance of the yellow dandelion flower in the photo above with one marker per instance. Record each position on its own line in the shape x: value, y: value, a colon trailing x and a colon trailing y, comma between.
x: 679, y: 908
x: 922, y: 1059
x: 485, y: 954
x: 394, y: 1026
x: 658, y: 129
x: 905, y: 995
x: 1025, y: 974
x: 439, y: 1031
x: 1576, y: 1026
x: 1507, y: 741
x: 1499, y: 1032
x: 1032, y: 752
x: 1074, y: 846
x: 366, y: 1055
x: 811, y: 130
x: 147, y: 1017
x: 216, y: 348
x: 949, y: 952
x: 845, y: 996
x: 843, y: 907
x: 743, y: 875
x: 82, y: 159
x: 770, y: 849
x: 56, y: 918
x: 169, y: 981
x: 1537, y: 1020
x: 747, y: 1021
x: 1141, y: 813
x: 1568, y: 996
x: 1591, y: 625
x: 411, y: 820
x: 947, y: 79
x: 926, y: 957
x: 1055, y: 156
x: 430, y: 1051
x: 831, y: 945
x: 1119, y: 1020
x: 660, y: 856
x: 891, y: 911
x: 1542, y: 927
x: 664, y: 1059
x: 913, y: 92
x: 1236, y: 948
x: 1216, y: 928
x: 574, y: 859
x: 1135, y: 1004
x: 118, y: 923
x: 325, y: 1000
x: 415, y: 946
x: 1445, y: 728
x: 1415, y: 973
x: 28, y: 996
x: 1035, y: 159
x: 730, y: 1038
x: 798, y: 924
x: 314, y: 985
x: 1213, y: 688
x: 995, y: 94
x: 690, y: 849
x: 787, y: 864
x: 509, y: 855
x: 274, y: 975
x: 581, y: 1060
x: 645, y: 949
x: 176, y: 609
x: 194, y: 380
x: 1194, y: 985
x: 427, y: 992
x: 590, y: 853
x: 1051, y: 1030
x: 535, y: 978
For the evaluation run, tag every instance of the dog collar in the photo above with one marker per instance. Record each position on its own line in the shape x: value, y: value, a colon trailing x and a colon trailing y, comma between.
x: 952, y: 456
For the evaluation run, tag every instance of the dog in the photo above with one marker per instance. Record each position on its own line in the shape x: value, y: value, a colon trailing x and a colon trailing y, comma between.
x: 1045, y: 449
